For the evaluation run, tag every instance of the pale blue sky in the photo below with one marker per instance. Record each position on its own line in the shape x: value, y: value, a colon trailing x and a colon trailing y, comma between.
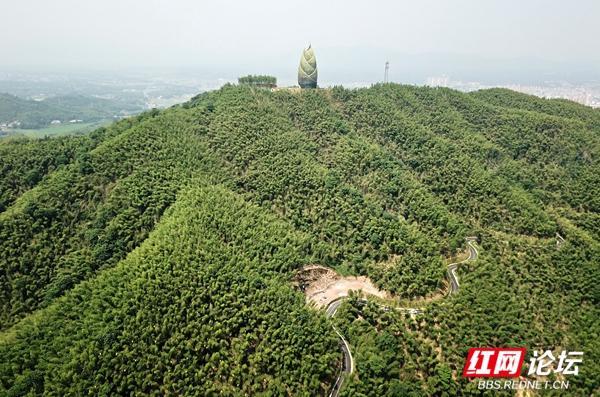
x: 269, y: 35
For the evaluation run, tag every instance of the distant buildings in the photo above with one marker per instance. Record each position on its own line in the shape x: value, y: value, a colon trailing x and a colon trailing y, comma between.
x: 13, y: 124
x: 441, y: 81
x: 6, y: 127
x: 588, y: 95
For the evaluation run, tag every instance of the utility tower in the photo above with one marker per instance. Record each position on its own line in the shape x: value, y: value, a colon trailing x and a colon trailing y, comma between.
x: 386, y: 78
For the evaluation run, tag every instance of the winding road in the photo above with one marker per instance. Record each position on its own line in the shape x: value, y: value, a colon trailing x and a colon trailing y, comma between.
x: 348, y: 364
x: 452, y: 267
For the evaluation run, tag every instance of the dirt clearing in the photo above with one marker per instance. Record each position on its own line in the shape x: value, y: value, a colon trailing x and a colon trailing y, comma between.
x: 322, y: 285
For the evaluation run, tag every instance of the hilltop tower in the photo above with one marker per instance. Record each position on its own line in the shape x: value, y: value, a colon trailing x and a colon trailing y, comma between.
x: 386, y: 74
x: 307, y: 71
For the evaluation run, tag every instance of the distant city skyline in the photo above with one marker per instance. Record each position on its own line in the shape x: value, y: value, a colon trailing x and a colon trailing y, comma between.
x: 585, y: 94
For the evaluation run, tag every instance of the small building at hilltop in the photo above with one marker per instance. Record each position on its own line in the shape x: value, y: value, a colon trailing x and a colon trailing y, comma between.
x: 307, y: 71
x: 262, y: 81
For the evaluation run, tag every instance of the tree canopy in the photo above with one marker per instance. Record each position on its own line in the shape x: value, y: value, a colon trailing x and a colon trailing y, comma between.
x: 156, y: 255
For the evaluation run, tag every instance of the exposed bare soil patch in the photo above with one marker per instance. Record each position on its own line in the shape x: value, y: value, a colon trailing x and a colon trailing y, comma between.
x: 322, y: 285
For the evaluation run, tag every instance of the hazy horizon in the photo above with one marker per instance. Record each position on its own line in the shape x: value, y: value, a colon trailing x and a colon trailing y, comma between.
x: 466, y: 39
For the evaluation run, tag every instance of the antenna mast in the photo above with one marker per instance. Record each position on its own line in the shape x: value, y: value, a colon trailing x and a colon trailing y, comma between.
x: 386, y: 74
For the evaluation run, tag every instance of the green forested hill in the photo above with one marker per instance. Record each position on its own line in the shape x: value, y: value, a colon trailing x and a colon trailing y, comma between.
x: 156, y: 255
x: 37, y: 114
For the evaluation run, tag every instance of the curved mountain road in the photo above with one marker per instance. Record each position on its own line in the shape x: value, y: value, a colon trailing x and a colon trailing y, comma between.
x: 348, y: 364
x: 452, y: 267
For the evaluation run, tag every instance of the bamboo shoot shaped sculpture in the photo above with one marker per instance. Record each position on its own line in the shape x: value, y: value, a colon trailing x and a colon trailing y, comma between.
x: 307, y: 71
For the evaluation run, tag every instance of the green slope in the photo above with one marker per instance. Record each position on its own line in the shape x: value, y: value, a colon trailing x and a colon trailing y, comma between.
x: 38, y: 114
x: 200, y: 307
x: 384, y: 182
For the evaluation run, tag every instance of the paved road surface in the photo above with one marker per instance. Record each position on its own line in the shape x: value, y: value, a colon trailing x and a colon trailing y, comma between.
x: 348, y: 365
x: 452, y: 267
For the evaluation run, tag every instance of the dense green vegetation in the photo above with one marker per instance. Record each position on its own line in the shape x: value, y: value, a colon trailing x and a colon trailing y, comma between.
x: 38, y: 114
x: 155, y: 255
x: 202, y: 307
x: 258, y: 80
x: 54, y: 130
